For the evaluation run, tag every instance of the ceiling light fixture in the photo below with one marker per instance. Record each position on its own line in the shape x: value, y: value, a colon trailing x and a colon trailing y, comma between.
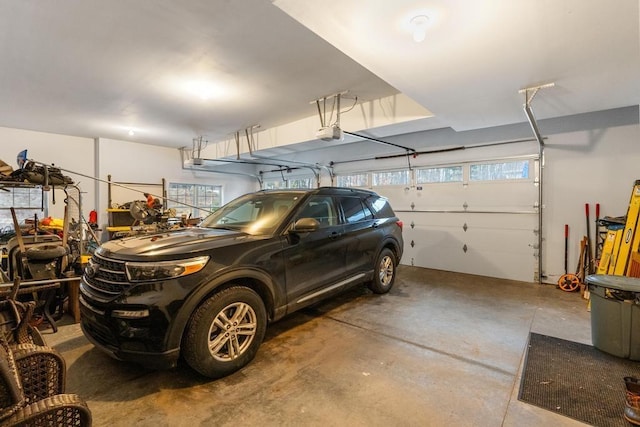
x: 203, y: 89
x: 419, y: 24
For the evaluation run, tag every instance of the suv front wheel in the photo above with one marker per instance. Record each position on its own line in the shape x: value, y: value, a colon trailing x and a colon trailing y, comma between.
x: 384, y: 272
x: 225, y: 331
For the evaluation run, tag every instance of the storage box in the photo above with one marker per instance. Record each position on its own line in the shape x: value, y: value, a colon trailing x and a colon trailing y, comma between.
x: 615, y: 314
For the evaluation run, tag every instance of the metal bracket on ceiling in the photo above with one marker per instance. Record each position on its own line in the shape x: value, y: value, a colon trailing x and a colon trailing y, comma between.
x: 529, y: 94
x: 248, y: 131
x: 197, y: 145
x: 321, y: 104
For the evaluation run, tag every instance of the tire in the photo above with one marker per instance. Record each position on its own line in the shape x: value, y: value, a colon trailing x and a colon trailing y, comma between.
x: 45, y: 252
x: 215, y: 352
x: 384, y: 272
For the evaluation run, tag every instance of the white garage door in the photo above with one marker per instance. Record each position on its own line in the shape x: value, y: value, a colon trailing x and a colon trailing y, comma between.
x: 475, y: 218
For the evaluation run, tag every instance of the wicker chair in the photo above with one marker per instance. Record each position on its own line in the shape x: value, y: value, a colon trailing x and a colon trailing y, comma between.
x: 14, y: 322
x: 32, y: 375
x: 32, y: 389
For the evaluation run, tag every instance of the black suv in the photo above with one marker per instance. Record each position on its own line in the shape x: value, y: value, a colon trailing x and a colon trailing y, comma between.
x: 207, y: 293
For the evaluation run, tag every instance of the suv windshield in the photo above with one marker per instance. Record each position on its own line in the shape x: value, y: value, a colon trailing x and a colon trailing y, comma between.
x: 258, y: 213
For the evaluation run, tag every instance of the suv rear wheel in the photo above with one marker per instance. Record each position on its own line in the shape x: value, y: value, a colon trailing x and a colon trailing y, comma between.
x: 224, y: 333
x: 384, y: 272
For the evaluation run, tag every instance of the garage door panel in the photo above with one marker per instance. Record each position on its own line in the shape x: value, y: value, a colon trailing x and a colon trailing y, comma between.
x: 494, y: 232
x: 506, y: 264
x: 497, y: 245
x: 514, y: 196
x: 501, y: 196
x: 477, y: 227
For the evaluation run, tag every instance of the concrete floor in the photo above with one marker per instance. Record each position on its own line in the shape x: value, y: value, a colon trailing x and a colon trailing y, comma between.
x: 440, y: 349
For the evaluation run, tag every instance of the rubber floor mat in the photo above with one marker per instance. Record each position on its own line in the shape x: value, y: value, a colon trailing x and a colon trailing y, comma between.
x: 576, y: 380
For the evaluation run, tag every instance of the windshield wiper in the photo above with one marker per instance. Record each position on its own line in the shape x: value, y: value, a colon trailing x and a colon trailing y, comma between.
x: 223, y: 227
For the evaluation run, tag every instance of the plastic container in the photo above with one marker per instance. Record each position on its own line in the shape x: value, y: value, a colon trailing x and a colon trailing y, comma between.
x: 615, y: 314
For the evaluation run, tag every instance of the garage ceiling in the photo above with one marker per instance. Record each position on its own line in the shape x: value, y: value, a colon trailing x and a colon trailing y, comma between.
x: 171, y: 71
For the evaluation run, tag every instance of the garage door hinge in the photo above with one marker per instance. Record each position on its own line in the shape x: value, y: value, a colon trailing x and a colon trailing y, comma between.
x: 413, y: 224
x: 413, y: 243
x: 465, y: 206
x: 464, y: 248
x: 464, y: 227
x: 413, y: 206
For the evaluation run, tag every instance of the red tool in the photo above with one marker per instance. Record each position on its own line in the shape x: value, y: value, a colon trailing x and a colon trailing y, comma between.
x: 568, y: 282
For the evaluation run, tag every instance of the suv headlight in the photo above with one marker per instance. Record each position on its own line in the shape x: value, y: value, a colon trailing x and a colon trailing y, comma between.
x: 145, y: 271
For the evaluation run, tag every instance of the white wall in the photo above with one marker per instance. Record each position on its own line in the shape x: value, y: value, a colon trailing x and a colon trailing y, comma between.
x: 597, y: 165
x: 67, y: 152
x: 131, y: 162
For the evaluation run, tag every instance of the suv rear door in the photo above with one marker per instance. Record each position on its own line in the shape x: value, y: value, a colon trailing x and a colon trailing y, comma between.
x: 361, y: 234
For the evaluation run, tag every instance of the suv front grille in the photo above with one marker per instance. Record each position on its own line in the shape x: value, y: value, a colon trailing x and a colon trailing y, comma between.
x: 108, y: 276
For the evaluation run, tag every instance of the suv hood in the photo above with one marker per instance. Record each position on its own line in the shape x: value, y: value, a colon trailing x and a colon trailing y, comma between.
x: 180, y: 243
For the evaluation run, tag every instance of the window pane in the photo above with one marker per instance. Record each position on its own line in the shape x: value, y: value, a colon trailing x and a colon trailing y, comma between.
x: 26, y: 201
x: 300, y: 183
x: 445, y: 174
x: 321, y: 208
x: 499, y: 171
x: 202, y: 199
x: 353, y: 209
x: 273, y: 185
x: 391, y: 178
x: 355, y: 180
x: 380, y: 206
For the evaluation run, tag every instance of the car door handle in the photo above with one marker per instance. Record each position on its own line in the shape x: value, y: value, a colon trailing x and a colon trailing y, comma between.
x: 375, y: 225
x: 334, y: 235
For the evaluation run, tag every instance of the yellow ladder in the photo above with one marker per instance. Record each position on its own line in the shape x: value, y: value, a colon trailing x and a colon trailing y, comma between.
x: 629, y: 239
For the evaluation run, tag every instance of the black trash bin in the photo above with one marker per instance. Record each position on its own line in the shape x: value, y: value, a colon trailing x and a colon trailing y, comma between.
x: 615, y: 314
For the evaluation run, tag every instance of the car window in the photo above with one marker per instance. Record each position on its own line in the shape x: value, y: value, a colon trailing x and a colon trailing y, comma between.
x: 354, y: 210
x: 320, y: 208
x: 380, y: 207
x: 254, y: 213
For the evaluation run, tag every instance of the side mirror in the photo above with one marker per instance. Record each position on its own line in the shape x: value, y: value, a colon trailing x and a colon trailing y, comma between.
x: 306, y: 225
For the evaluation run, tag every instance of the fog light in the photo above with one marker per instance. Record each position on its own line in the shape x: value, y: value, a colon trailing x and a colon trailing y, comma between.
x: 130, y: 314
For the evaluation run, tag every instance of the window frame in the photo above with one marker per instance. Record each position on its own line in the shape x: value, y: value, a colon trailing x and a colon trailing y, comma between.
x: 529, y: 168
x: 459, y: 167
x: 181, y: 204
x: 33, y: 206
x: 405, y: 172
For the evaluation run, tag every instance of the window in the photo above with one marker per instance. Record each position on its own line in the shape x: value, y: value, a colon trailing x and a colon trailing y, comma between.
x: 499, y: 171
x: 254, y: 213
x: 355, y: 180
x: 354, y: 210
x: 27, y: 201
x: 274, y: 185
x: 380, y: 206
x: 443, y: 174
x: 202, y: 199
x: 300, y: 183
x: 321, y: 208
x: 289, y: 183
x: 391, y: 178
